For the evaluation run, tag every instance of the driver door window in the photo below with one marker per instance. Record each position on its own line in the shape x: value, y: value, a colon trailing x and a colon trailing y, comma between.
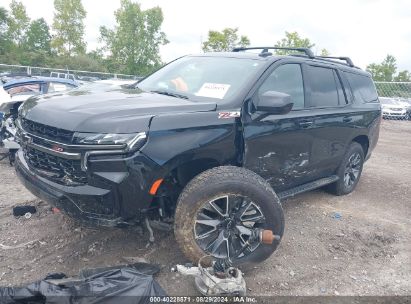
x: 286, y: 79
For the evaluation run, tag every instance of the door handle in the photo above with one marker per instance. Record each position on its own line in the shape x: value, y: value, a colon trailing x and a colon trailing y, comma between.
x: 347, y: 119
x: 306, y: 123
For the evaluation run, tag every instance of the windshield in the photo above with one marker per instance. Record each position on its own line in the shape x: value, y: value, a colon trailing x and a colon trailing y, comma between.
x: 196, y: 78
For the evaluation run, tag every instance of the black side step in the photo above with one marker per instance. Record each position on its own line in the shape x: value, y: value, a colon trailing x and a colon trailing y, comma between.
x: 307, y: 187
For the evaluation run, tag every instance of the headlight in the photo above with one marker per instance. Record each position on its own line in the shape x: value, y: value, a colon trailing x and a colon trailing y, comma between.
x: 133, y: 141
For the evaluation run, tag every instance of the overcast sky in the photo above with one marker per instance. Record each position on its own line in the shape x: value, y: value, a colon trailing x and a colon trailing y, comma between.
x: 365, y: 30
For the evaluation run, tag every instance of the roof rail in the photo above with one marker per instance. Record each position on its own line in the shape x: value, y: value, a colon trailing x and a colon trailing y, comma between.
x: 306, y: 51
x: 264, y: 49
x: 346, y: 59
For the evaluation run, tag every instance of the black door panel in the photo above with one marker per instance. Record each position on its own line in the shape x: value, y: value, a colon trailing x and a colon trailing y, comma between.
x: 332, y: 127
x: 277, y: 148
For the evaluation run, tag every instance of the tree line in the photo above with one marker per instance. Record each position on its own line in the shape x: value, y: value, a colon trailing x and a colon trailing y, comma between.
x: 229, y: 38
x: 130, y: 47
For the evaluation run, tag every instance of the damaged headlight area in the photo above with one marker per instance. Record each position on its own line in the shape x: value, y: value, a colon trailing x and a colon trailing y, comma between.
x: 109, y: 144
x: 130, y: 141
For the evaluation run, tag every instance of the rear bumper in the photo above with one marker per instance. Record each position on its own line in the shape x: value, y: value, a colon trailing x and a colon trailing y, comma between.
x: 108, y: 199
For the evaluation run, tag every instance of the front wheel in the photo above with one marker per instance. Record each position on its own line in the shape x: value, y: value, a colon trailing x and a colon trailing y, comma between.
x: 219, y: 211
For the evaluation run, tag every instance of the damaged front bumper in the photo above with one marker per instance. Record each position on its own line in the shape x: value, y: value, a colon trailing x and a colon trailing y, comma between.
x: 116, y: 190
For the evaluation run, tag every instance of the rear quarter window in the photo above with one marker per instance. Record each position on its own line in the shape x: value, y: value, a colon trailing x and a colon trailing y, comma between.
x: 362, y: 87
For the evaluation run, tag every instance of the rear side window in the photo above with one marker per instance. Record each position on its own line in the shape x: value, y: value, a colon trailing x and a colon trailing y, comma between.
x: 363, y: 87
x: 323, y: 86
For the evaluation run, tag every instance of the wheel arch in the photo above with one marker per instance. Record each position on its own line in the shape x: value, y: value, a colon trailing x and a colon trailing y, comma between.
x: 364, y: 142
x: 178, y: 174
x: 186, y: 170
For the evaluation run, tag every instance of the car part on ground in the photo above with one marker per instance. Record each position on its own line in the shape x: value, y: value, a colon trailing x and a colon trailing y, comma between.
x: 22, y: 210
x: 221, y: 278
x: 209, y: 282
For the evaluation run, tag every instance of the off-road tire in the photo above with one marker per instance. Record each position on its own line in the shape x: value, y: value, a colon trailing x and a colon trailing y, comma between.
x: 222, y: 181
x: 340, y: 187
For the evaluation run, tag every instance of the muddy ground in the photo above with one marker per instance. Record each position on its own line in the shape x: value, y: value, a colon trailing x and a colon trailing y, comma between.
x: 365, y: 252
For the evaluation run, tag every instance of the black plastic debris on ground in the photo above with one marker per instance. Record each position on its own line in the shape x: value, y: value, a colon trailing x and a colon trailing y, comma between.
x: 22, y: 210
x: 130, y: 284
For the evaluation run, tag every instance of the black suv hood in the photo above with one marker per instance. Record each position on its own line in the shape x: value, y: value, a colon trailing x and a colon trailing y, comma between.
x: 105, y: 109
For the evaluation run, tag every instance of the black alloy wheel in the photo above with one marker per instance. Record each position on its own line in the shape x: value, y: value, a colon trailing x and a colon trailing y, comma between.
x: 222, y: 212
x: 352, y: 169
x: 225, y: 224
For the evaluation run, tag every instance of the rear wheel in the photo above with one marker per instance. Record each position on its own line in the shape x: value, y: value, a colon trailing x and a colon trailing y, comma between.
x: 219, y: 211
x: 349, y: 171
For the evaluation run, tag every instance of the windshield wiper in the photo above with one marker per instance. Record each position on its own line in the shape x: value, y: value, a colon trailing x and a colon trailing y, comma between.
x: 170, y: 94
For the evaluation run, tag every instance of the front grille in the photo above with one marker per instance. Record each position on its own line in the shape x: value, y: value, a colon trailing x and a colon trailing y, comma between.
x: 52, y: 133
x: 60, y: 170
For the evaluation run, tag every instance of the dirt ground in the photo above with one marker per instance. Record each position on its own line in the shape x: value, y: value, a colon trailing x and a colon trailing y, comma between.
x: 367, y: 251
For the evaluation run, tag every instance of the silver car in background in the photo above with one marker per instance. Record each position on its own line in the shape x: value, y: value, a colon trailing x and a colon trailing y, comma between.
x: 395, y: 109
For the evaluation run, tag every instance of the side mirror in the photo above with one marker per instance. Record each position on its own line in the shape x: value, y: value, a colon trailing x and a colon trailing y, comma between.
x: 274, y: 102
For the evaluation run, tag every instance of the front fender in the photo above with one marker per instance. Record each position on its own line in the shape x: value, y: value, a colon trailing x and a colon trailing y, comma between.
x: 177, y: 139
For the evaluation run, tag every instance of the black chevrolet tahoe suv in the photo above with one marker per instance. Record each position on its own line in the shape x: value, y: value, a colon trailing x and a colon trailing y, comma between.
x: 209, y: 143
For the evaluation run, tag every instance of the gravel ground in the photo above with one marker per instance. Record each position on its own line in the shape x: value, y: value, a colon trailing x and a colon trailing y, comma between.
x: 365, y: 252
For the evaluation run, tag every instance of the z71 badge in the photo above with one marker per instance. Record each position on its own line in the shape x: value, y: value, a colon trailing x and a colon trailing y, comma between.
x: 225, y: 115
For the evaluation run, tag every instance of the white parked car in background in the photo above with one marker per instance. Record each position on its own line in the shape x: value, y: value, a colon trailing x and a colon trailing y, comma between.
x: 395, y: 109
